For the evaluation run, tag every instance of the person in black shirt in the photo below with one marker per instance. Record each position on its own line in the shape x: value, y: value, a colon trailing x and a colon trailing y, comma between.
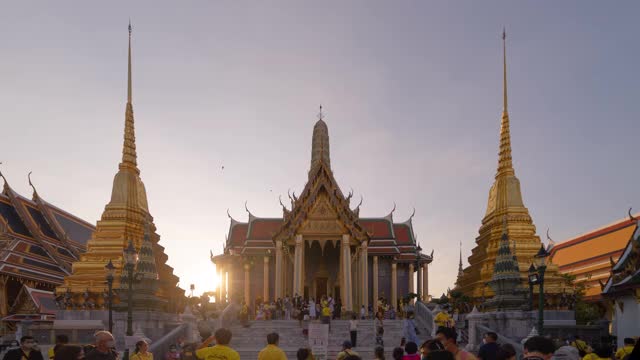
x: 25, y: 351
x: 490, y: 347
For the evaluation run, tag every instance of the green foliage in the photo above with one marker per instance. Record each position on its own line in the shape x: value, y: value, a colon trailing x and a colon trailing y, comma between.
x: 587, y: 313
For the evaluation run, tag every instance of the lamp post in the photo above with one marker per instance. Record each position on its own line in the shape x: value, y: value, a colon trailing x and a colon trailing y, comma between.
x: 131, y: 259
x: 419, y: 284
x: 533, y: 279
x: 110, y: 272
x: 541, y: 260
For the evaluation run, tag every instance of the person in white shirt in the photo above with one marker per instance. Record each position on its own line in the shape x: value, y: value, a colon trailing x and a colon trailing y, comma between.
x: 363, y: 313
x: 353, y: 329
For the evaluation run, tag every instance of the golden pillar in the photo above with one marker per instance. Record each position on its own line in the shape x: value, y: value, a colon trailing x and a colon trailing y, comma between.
x: 4, y: 307
x: 247, y: 285
x: 298, y: 271
x: 411, y: 288
x: 220, y: 272
x: 375, y: 282
x: 346, y: 270
x: 425, y: 281
x: 279, y: 270
x: 265, y: 279
x: 394, y: 285
x: 364, y: 275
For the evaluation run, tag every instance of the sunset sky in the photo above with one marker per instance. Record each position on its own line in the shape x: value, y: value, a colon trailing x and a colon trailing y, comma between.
x: 411, y: 92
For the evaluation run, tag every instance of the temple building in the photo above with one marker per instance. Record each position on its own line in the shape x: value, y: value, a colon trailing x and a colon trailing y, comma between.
x: 125, y: 218
x: 321, y: 246
x: 590, y: 256
x: 38, y: 244
x: 506, y: 213
x: 622, y: 288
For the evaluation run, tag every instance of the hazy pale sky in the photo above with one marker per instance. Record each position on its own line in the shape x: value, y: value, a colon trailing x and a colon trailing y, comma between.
x: 411, y: 92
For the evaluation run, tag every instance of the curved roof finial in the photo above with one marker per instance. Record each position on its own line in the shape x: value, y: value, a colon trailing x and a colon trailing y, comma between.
x: 281, y: 204
x: 35, y: 192
x: 412, y: 214
x: 551, y: 242
x: 6, y: 183
x: 631, y: 217
x: 294, y: 196
x: 246, y: 208
x: 360, y: 203
x: 394, y: 208
x: 228, y: 214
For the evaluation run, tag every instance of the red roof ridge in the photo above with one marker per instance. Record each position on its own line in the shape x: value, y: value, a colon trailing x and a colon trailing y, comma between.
x: 616, y: 225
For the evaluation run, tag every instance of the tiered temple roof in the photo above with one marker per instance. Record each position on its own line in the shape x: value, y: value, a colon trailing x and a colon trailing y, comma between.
x: 39, y: 241
x: 387, y: 238
x: 589, y: 256
x: 625, y: 273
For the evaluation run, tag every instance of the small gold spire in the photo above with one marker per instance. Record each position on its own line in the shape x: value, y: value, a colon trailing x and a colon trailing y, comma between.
x: 129, y: 156
x: 504, y: 63
x: 505, y: 165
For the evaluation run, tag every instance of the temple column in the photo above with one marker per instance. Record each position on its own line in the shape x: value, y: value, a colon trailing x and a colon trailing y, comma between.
x: 355, y: 283
x: 220, y: 272
x: 247, y: 287
x: 394, y: 285
x: 298, y: 275
x: 425, y: 281
x: 419, y: 281
x: 346, y: 271
x: 4, y: 307
x: 375, y: 283
x: 279, y: 270
x: 223, y: 281
x: 265, y: 279
x: 411, y: 288
x: 364, y: 276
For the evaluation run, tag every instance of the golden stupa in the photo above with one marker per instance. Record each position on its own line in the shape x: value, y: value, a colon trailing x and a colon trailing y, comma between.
x: 123, y: 219
x: 505, y: 211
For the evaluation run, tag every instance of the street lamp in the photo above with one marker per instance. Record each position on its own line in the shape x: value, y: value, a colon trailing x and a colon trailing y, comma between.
x: 533, y: 279
x: 419, y: 284
x: 110, y: 272
x: 541, y: 262
x: 131, y: 259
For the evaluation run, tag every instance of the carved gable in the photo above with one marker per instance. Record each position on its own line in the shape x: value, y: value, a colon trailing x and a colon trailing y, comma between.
x: 322, y: 212
x: 322, y: 220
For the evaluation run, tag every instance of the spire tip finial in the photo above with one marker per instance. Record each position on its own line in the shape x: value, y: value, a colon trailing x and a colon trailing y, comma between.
x: 320, y: 114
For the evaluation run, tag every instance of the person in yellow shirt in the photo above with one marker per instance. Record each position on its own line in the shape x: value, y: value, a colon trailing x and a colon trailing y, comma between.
x: 443, y: 319
x: 629, y: 343
x: 142, y: 351
x: 601, y: 352
x: 272, y: 351
x: 583, y: 348
x: 221, y: 351
x: 60, y: 340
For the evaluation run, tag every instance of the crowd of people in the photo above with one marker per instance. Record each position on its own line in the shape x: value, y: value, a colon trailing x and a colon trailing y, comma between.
x: 443, y: 347
x: 298, y: 308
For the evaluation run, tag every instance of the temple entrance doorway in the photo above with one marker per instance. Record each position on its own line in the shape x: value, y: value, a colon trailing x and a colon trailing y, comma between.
x: 321, y: 287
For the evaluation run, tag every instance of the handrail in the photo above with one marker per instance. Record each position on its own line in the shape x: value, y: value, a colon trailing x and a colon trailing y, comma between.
x: 424, y: 318
x: 504, y: 340
x: 161, y: 346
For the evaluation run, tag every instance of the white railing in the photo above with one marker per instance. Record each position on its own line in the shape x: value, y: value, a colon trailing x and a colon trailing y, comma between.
x: 424, y: 319
x: 161, y: 346
x: 504, y: 340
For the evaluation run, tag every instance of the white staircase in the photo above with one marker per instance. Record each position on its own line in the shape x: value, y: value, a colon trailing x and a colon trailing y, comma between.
x: 248, y: 341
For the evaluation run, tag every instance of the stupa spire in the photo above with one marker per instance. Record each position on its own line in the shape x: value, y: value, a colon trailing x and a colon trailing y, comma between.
x: 320, y: 143
x: 505, y: 165
x: 129, y: 156
x: 460, y: 269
